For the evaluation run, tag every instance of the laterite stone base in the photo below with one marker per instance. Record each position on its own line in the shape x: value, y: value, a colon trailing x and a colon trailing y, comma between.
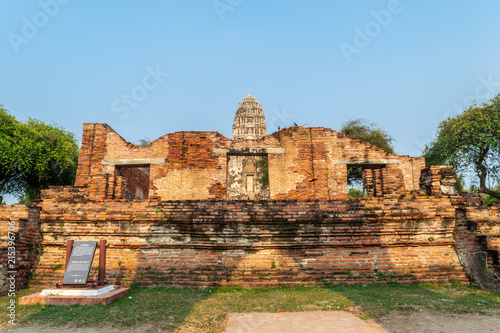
x: 105, y: 299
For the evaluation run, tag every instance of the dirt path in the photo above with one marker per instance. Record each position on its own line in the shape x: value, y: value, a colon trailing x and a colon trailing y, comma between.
x: 427, y: 322
x: 419, y: 322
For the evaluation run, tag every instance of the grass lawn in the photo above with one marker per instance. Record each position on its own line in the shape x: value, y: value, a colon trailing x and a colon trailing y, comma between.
x: 206, y: 310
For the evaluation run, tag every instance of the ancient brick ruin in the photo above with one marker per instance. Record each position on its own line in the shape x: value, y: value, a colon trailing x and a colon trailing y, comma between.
x: 199, y: 209
x: 295, y: 163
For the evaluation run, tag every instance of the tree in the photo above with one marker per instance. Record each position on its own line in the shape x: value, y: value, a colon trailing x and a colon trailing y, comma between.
x: 360, y: 129
x: 488, y: 199
x: 470, y: 142
x: 354, y: 193
x: 143, y: 142
x: 34, y: 155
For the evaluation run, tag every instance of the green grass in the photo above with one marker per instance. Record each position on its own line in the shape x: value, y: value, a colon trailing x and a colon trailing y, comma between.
x: 376, y: 301
x: 22, y: 312
x: 206, y: 310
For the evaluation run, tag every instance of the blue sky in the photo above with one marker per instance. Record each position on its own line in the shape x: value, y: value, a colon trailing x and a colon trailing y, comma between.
x: 156, y: 67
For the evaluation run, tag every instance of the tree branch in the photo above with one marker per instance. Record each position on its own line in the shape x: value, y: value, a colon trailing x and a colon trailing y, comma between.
x: 490, y: 192
x: 4, y: 181
x: 483, y: 172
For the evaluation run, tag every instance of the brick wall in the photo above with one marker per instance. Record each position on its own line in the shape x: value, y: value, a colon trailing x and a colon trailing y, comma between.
x: 135, y: 183
x: 478, y: 230
x: 438, y: 180
x: 24, y: 223
x: 209, y: 243
x: 92, y: 152
x: 303, y: 163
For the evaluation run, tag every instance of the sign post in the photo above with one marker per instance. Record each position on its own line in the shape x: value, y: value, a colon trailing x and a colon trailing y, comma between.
x: 79, y: 263
x: 79, y: 257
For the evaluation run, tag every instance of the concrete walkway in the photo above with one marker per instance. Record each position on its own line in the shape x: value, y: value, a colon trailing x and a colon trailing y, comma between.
x: 300, y: 322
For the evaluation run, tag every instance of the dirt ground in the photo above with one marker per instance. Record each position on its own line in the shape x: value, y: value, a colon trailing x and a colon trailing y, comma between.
x: 427, y: 322
x: 419, y: 322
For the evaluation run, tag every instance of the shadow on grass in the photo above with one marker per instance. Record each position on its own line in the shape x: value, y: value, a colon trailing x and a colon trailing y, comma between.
x: 163, y: 308
x: 377, y: 301
x: 206, y: 310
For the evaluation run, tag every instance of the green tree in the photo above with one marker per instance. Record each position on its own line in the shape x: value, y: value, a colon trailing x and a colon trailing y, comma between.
x: 488, y: 199
x: 263, y: 171
x: 144, y: 142
x: 470, y: 142
x: 360, y: 129
x: 354, y: 193
x: 33, y: 156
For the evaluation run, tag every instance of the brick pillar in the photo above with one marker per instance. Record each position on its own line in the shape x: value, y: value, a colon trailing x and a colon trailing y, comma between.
x: 111, y: 187
x: 339, y: 188
x: 438, y: 180
x: 98, y: 187
x: 393, y: 182
x: 368, y: 182
x: 378, y: 181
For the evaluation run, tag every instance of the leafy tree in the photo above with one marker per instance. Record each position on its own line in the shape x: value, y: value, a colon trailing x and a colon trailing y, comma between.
x: 263, y: 169
x: 488, y: 199
x: 354, y: 193
x: 470, y: 142
x: 143, y: 142
x: 360, y: 129
x: 34, y: 155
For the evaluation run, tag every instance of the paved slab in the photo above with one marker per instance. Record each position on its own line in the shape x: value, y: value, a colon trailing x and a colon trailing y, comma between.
x: 104, y: 299
x: 295, y: 322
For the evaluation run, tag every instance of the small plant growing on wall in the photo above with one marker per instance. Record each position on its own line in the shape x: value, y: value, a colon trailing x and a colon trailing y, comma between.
x: 56, y: 267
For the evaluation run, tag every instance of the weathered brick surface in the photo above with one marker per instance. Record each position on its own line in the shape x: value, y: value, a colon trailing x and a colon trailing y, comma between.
x: 396, y: 237
x: 136, y: 180
x: 183, y: 229
x: 210, y: 243
x: 478, y: 229
x: 304, y: 163
x: 438, y: 180
x: 26, y: 228
x: 92, y: 152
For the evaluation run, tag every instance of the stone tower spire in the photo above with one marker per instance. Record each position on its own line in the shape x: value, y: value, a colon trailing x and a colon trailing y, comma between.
x: 249, y: 121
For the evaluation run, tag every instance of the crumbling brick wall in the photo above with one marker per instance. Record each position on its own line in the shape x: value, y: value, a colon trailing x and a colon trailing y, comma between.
x: 438, y: 180
x: 21, y: 254
x: 135, y: 182
x: 477, y: 237
x: 303, y: 163
x: 92, y: 151
x: 211, y: 243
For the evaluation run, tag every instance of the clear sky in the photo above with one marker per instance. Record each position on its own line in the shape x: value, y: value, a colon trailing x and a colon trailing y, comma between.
x: 155, y: 67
